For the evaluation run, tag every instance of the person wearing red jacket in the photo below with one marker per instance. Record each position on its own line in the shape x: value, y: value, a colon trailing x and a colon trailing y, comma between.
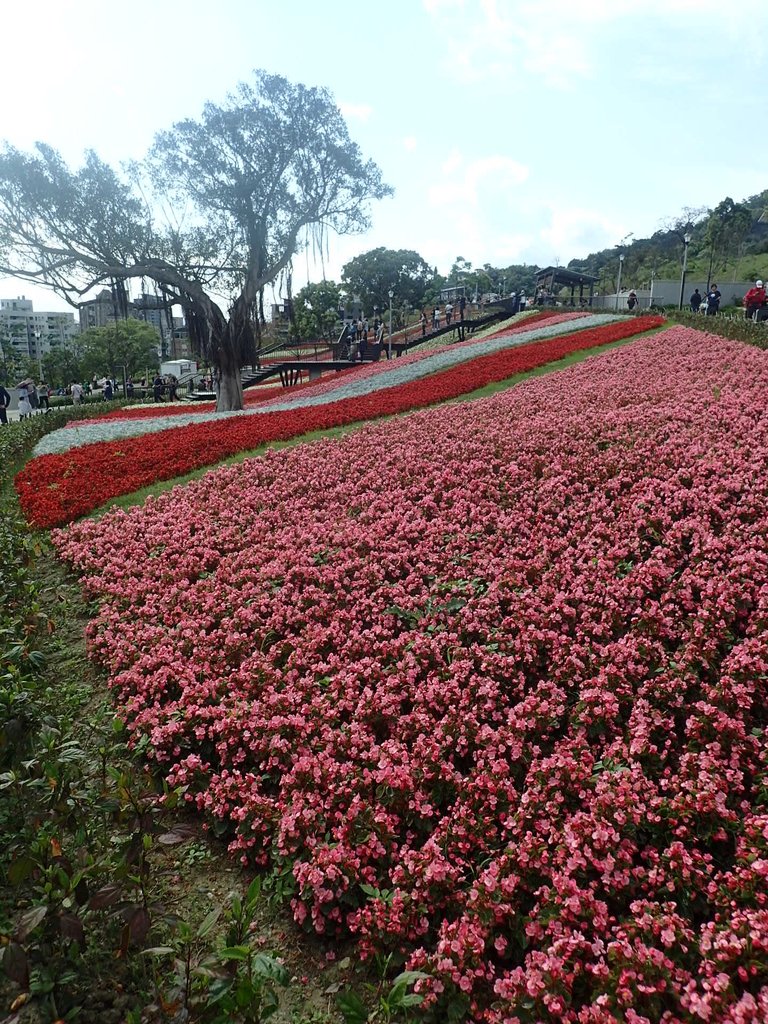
x: 754, y: 300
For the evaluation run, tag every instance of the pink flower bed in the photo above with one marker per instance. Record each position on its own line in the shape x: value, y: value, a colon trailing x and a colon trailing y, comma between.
x: 489, y: 679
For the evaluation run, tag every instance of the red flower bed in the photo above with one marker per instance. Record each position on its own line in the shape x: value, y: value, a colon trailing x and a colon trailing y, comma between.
x: 55, y: 489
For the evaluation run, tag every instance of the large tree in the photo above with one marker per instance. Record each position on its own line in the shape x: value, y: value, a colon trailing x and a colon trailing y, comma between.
x: 219, y: 208
x: 372, y: 275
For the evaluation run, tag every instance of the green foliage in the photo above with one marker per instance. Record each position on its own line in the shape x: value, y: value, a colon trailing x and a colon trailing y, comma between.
x: 104, y: 351
x: 372, y: 275
x: 61, y: 366
x: 86, y: 830
x: 735, y: 327
x: 14, y: 365
x: 316, y: 311
x: 226, y: 981
x: 727, y: 227
x: 727, y: 239
x: 392, y: 1001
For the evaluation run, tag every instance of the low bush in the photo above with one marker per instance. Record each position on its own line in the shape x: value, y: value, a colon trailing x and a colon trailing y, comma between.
x: 733, y: 326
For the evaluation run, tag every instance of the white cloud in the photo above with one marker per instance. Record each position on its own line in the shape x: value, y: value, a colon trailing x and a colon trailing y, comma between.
x: 454, y: 161
x: 410, y: 142
x: 440, y: 6
x: 577, y: 229
x: 559, y: 41
x: 356, y: 111
x: 481, y: 179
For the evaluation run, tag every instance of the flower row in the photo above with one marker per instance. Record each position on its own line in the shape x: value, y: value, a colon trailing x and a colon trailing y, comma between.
x: 58, y: 488
x: 521, y: 322
x: 488, y: 681
x: 364, y: 381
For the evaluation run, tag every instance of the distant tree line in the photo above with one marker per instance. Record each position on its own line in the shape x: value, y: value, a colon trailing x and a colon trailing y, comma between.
x: 129, y: 347
x: 729, y: 242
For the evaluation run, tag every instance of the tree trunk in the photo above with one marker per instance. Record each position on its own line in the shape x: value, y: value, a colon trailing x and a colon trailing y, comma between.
x: 230, y: 390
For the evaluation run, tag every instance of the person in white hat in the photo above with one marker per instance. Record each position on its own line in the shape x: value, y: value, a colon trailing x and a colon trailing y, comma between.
x: 754, y: 300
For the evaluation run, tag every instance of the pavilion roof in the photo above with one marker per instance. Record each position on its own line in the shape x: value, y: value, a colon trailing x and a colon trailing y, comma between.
x: 562, y: 276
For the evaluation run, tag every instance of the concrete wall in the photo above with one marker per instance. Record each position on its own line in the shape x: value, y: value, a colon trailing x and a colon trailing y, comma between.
x: 667, y: 293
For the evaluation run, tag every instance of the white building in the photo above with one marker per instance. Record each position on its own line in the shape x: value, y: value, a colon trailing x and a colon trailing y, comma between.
x: 33, y: 334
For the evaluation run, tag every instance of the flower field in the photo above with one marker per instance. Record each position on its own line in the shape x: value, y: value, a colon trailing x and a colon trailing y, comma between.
x: 59, y: 487
x: 490, y: 680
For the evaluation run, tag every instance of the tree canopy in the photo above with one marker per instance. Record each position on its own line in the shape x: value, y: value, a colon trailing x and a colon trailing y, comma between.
x: 316, y: 310
x: 372, y: 275
x: 127, y: 344
x: 219, y: 208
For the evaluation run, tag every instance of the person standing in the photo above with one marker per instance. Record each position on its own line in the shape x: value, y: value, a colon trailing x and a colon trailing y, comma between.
x: 107, y: 395
x: 32, y: 394
x: 713, y: 300
x: 696, y: 301
x: 632, y: 301
x: 436, y: 319
x: 76, y: 391
x: 754, y: 300
x: 43, y: 395
x: 5, y: 401
x: 448, y: 313
x: 25, y: 406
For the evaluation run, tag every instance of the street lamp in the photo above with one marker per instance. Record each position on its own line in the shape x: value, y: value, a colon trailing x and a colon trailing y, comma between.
x: 389, y: 346
x: 39, y: 349
x: 124, y: 368
x: 686, y: 243
x: 618, y: 283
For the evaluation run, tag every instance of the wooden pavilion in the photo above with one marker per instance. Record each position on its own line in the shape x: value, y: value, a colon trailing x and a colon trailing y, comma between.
x: 550, y: 280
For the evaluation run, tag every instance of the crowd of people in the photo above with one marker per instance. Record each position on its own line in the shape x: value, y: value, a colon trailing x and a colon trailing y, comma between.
x: 359, y: 333
x: 33, y: 398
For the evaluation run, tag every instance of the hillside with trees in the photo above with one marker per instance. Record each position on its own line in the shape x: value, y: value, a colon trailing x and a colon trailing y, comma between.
x: 729, y: 242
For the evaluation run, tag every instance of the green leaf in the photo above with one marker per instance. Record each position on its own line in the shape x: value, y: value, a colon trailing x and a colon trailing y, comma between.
x: 412, y: 999
x: 20, y: 869
x: 235, y: 953
x: 254, y: 890
x: 352, y: 1007
x: 410, y: 977
x: 208, y: 922
x: 268, y: 967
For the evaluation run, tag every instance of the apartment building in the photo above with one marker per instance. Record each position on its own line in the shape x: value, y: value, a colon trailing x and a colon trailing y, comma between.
x: 31, y: 333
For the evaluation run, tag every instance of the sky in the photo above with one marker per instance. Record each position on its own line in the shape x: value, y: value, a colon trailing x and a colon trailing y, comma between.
x: 512, y: 131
